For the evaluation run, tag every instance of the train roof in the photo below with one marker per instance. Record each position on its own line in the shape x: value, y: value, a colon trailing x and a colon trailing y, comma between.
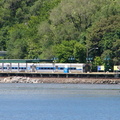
x: 24, y: 61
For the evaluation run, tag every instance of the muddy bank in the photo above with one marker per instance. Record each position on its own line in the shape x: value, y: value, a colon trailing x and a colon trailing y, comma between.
x: 60, y: 80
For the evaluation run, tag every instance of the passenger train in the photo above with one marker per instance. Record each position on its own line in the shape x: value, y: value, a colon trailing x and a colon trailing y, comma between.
x: 42, y: 67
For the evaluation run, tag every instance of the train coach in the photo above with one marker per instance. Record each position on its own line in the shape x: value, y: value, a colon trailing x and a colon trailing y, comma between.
x: 42, y: 67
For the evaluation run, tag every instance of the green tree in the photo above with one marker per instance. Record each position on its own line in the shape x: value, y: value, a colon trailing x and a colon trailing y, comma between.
x: 68, y: 49
x: 116, y: 53
x: 79, y: 52
x: 97, y: 61
x: 16, y: 45
x: 64, y: 51
x: 3, y: 38
x: 104, y: 34
x: 33, y: 28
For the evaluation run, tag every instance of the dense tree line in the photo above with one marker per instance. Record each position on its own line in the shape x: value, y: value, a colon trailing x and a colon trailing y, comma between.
x: 31, y: 29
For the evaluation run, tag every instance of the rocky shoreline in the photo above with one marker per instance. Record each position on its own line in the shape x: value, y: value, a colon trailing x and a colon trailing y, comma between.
x: 15, y: 79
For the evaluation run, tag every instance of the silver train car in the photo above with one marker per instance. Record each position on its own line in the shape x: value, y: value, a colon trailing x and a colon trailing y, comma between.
x: 42, y: 67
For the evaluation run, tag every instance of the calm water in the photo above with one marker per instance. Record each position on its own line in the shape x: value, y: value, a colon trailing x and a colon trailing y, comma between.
x: 59, y: 102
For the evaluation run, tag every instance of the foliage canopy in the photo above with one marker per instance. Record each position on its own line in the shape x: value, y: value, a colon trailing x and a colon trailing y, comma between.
x: 62, y: 28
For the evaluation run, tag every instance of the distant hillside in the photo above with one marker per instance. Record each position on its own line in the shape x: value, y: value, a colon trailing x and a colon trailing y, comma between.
x: 61, y: 28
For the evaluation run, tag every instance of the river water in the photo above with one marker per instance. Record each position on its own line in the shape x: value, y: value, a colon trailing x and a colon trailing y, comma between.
x: 59, y: 102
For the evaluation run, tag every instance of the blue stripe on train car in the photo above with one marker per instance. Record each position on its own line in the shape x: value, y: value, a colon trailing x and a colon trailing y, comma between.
x: 44, y: 68
x: 23, y: 68
x: 72, y: 68
x: 60, y: 68
x: 15, y: 68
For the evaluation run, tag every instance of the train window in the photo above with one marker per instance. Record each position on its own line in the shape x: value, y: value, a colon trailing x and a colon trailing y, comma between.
x: 50, y: 68
x: 72, y: 68
x: 61, y: 68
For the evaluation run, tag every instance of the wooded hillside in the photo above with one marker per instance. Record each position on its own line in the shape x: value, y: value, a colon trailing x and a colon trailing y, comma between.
x: 64, y: 29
